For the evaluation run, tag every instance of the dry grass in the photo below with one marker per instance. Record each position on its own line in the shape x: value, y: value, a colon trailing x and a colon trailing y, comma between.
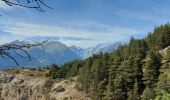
x: 31, y: 73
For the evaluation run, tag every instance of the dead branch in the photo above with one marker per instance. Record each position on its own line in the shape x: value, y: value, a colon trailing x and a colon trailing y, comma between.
x: 6, y: 48
x: 35, y: 4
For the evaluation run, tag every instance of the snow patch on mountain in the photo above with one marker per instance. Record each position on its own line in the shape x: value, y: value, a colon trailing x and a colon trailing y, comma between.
x: 54, y: 52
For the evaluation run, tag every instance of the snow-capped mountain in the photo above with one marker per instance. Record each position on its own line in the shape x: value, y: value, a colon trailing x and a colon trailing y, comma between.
x: 107, y: 47
x: 79, y: 51
x: 53, y: 52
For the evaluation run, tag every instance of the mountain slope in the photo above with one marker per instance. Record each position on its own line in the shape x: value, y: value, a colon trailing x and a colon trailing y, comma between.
x: 53, y: 52
x: 139, y: 70
x: 107, y: 47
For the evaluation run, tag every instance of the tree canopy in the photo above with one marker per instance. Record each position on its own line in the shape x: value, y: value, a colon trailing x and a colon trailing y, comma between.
x: 132, y: 72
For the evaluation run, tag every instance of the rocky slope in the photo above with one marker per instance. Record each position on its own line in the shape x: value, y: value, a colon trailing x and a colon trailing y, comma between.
x: 25, y: 87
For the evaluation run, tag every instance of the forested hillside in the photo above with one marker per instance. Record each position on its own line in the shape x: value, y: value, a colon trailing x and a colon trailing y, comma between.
x: 139, y: 70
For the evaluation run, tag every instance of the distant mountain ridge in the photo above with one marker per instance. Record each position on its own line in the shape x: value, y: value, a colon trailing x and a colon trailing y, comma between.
x: 106, y: 47
x: 54, y: 52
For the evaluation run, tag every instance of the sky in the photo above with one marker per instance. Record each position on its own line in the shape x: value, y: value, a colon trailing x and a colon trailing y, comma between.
x: 84, y: 23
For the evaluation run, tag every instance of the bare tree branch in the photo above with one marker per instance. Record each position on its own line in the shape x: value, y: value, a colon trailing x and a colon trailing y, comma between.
x: 5, y: 50
x: 35, y: 4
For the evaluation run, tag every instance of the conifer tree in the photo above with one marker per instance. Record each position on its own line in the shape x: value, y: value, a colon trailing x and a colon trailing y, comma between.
x: 148, y: 94
x: 151, y: 69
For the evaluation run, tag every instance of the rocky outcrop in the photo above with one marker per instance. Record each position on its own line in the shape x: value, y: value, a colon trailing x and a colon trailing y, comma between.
x: 24, y: 87
x: 21, y: 87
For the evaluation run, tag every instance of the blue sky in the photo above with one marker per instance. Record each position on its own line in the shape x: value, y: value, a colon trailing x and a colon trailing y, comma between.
x: 84, y: 23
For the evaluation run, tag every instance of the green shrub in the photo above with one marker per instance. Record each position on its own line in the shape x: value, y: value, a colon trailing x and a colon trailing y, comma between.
x: 53, y: 71
x: 65, y: 98
x: 71, y: 79
x: 47, y: 75
x: 53, y: 75
x: 165, y: 96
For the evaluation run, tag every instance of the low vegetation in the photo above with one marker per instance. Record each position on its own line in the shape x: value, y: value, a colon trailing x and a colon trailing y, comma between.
x: 32, y: 72
x: 59, y: 89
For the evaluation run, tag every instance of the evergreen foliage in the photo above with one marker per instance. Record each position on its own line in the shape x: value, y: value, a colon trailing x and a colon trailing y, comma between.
x: 134, y: 71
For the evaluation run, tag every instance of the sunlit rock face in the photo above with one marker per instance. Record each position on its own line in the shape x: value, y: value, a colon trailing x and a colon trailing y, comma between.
x: 22, y: 86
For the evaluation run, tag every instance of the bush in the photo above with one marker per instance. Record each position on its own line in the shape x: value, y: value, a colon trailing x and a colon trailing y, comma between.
x: 70, y: 79
x: 53, y: 71
x: 47, y: 75
x: 165, y: 96
x: 53, y: 75
x: 65, y: 98
x: 32, y: 69
x: 59, y: 89
x: 17, y: 71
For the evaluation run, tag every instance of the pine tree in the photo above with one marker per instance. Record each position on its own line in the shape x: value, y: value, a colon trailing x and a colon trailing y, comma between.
x: 119, y: 88
x: 53, y: 71
x: 163, y: 85
x: 128, y: 72
x: 148, y: 94
x: 97, y: 77
x: 135, y: 93
x: 151, y: 69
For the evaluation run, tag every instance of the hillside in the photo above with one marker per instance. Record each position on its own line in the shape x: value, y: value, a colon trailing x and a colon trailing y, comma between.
x: 138, y: 70
x: 23, y: 84
x: 31, y: 84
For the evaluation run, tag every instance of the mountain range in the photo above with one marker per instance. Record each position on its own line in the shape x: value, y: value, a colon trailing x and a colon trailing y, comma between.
x: 53, y: 52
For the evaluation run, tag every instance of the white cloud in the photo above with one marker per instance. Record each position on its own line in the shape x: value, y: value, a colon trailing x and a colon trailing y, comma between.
x: 98, y: 32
